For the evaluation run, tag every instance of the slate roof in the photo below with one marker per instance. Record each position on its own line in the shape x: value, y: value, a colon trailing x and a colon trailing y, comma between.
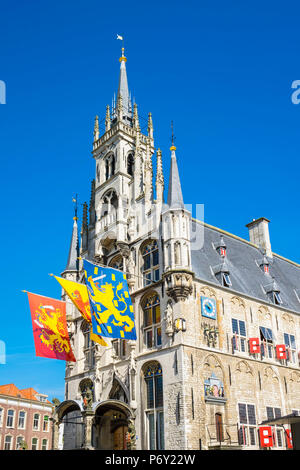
x: 243, y: 261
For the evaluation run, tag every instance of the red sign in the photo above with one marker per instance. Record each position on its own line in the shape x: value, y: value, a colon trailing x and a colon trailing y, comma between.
x: 281, y: 351
x: 266, y: 437
x: 254, y: 345
x: 50, y: 331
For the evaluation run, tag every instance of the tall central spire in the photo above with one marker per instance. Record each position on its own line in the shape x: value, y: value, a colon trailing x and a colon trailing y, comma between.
x: 123, y: 90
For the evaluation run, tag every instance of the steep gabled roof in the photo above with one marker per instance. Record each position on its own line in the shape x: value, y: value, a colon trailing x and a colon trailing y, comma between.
x: 243, y: 260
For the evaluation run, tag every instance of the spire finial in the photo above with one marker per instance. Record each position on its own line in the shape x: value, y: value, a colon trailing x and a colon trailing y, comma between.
x: 75, y: 201
x: 172, y: 148
x: 150, y: 126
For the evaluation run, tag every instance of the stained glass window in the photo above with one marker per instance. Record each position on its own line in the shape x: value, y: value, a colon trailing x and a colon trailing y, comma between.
x: 150, y: 262
x: 152, y: 319
x: 154, y: 413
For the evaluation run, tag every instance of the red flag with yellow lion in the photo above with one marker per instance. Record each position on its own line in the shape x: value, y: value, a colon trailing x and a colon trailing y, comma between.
x: 50, y: 332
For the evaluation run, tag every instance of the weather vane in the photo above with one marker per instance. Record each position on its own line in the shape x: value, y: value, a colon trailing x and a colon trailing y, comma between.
x: 173, y: 138
x: 121, y: 39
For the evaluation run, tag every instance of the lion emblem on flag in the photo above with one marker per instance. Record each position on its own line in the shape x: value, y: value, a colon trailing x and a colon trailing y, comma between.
x: 114, y: 304
x: 53, y: 333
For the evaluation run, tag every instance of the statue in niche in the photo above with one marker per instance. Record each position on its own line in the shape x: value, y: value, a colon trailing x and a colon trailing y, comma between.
x: 169, y: 319
x: 87, y: 397
x: 130, y: 265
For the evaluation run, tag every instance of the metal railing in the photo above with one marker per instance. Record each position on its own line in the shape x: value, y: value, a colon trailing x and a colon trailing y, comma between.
x: 222, y: 435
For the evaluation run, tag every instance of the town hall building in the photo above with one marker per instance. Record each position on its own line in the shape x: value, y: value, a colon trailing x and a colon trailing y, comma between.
x: 217, y: 317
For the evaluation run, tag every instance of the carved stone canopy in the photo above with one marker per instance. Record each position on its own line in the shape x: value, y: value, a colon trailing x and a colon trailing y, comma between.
x: 124, y: 249
x: 179, y: 284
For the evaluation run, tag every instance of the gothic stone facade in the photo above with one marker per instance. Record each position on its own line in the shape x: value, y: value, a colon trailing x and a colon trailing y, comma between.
x: 200, y: 294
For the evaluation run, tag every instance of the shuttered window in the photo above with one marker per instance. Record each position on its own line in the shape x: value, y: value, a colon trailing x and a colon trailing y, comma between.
x: 274, y: 413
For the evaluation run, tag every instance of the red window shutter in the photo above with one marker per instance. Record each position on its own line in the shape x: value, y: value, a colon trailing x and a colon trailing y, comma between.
x: 254, y: 345
x: 266, y: 437
x: 288, y: 436
x: 281, y: 351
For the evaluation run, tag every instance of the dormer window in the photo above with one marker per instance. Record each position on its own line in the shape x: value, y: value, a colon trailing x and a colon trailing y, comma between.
x: 221, y: 271
x: 273, y: 293
x: 226, y: 280
x: 221, y: 247
x: 277, y: 298
x: 223, y: 252
x: 264, y: 265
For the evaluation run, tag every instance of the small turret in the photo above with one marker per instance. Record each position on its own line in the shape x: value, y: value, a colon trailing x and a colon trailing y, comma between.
x: 96, y: 129
x: 159, y: 178
x: 107, y: 119
x: 150, y: 126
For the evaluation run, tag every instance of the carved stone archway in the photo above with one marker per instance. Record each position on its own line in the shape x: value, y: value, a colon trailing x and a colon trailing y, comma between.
x: 114, y: 421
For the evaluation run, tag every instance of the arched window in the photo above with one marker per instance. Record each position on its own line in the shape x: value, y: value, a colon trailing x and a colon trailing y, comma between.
x: 130, y: 164
x: 8, y: 442
x: 10, y: 419
x: 152, y: 321
x: 154, y: 406
x: 150, y: 266
x: 44, y: 444
x: 117, y: 263
x: 36, y: 421
x: 110, y: 166
x: 20, y: 442
x: 113, y: 165
x: 34, y: 443
x: 177, y: 252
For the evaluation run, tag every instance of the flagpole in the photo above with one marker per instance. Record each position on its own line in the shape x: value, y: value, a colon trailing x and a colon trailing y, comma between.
x: 120, y: 270
x: 33, y: 293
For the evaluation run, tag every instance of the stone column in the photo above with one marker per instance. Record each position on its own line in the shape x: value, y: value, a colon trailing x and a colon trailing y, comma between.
x: 88, y: 417
x: 55, y: 433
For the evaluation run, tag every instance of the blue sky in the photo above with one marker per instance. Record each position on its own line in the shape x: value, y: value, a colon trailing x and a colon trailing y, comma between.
x: 222, y: 71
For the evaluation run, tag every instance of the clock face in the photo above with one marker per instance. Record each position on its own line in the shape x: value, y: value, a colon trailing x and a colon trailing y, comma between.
x: 208, y: 307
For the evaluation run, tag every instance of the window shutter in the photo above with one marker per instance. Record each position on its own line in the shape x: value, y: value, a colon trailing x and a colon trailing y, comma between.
x: 280, y: 351
x: 265, y: 434
x: 254, y: 345
x: 288, y: 436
